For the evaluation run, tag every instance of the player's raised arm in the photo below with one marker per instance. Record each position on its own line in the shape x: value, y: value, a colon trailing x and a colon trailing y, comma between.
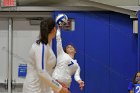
x: 61, y: 20
x: 60, y: 50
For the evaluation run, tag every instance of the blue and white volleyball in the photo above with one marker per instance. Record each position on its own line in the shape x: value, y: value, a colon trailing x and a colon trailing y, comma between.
x: 61, y: 19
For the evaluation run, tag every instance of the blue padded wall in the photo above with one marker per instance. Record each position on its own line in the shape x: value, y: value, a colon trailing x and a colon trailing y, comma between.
x: 138, y: 40
x: 107, y: 50
x: 96, y: 52
x: 123, y: 52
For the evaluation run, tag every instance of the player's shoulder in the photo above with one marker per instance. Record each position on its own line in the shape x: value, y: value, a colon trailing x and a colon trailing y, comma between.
x: 35, y: 46
x: 75, y: 61
x: 130, y: 86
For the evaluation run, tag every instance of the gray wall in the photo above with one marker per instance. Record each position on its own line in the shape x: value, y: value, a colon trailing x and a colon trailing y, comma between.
x: 119, y: 2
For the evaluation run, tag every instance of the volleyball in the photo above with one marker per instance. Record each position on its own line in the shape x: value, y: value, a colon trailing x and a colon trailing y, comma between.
x: 61, y: 19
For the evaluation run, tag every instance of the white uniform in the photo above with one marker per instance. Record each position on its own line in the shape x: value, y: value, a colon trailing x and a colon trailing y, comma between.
x: 39, y: 72
x: 66, y: 66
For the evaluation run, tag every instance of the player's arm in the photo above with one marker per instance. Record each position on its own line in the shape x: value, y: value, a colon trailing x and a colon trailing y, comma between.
x: 59, y: 42
x: 77, y: 74
x: 78, y: 79
x: 58, y: 88
x: 40, y: 66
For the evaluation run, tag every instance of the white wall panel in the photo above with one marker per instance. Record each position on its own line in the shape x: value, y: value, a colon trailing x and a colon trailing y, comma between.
x: 3, y: 49
x: 3, y: 54
x: 24, y: 35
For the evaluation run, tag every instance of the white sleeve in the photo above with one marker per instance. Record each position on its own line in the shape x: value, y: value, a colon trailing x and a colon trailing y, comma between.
x: 77, y: 74
x: 59, y: 43
x: 47, y: 79
x: 43, y: 73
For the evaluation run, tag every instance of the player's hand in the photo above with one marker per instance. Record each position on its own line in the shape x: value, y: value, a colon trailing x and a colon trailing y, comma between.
x: 64, y: 87
x: 81, y: 84
x: 64, y: 90
x: 63, y: 84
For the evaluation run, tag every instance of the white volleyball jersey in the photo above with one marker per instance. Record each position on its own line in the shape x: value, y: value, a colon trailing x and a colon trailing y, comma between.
x: 39, y: 72
x: 66, y: 66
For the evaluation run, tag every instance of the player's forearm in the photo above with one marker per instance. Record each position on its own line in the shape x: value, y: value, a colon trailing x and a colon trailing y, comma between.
x: 49, y: 81
x: 77, y: 74
x: 77, y: 78
x: 59, y: 42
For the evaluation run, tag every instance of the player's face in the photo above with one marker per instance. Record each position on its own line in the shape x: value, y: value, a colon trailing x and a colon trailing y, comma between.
x: 138, y: 75
x: 70, y: 49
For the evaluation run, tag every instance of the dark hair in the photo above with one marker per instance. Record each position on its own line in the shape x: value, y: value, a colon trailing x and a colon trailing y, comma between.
x: 134, y: 78
x: 67, y: 45
x: 46, y: 27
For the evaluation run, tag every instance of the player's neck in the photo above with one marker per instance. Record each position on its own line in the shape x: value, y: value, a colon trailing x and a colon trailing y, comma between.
x: 49, y: 40
x: 71, y: 55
